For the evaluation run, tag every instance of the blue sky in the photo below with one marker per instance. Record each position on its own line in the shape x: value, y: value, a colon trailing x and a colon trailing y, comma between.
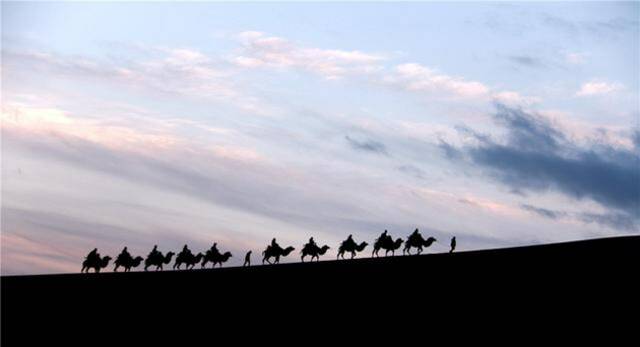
x: 143, y: 123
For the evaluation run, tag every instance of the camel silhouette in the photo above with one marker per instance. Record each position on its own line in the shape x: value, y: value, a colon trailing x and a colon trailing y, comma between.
x: 188, y: 259
x: 127, y: 263
x: 275, y: 252
x: 386, y: 242
x: 157, y: 259
x: 351, y: 246
x: 417, y: 241
x: 314, y: 251
x: 96, y: 265
x: 215, y: 258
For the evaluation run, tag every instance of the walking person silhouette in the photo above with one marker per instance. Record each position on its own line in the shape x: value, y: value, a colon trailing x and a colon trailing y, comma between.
x: 453, y: 245
x: 247, y: 259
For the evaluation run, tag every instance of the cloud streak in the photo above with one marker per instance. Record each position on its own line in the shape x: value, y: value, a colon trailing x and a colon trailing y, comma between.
x: 367, y: 145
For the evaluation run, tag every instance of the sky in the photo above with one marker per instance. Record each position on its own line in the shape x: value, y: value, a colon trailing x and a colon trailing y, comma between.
x: 135, y: 124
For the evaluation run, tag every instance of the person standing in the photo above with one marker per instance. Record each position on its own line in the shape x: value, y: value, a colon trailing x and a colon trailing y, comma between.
x: 247, y: 259
x: 453, y: 244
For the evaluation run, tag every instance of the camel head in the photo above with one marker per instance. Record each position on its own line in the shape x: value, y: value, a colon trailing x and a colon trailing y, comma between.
x: 198, y: 257
x: 168, y: 257
x: 324, y: 249
x: 431, y: 239
x: 137, y: 260
x: 397, y: 243
x: 105, y: 261
x: 362, y: 246
x: 226, y: 256
x: 287, y: 250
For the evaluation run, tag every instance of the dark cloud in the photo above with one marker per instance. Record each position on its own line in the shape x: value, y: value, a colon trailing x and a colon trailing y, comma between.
x: 620, y: 221
x: 526, y: 60
x: 449, y: 151
x: 367, y: 145
x: 536, y: 156
x: 412, y: 170
x: 635, y: 137
x: 552, y: 214
x: 526, y: 131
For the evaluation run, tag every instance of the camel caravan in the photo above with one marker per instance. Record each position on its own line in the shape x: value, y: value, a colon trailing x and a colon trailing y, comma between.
x: 271, y: 255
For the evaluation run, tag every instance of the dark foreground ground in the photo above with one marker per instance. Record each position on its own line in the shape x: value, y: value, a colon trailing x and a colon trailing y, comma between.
x: 571, y: 280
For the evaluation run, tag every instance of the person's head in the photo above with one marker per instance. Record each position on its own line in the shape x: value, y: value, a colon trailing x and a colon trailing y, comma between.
x: 249, y: 252
x: 350, y: 236
x: 125, y: 249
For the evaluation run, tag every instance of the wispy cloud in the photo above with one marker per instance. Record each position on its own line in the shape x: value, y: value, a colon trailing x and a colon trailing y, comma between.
x: 596, y: 87
x: 419, y: 78
x: 187, y: 73
x: 603, y: 28
x: 262, y: 50
x: 575, y: 58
